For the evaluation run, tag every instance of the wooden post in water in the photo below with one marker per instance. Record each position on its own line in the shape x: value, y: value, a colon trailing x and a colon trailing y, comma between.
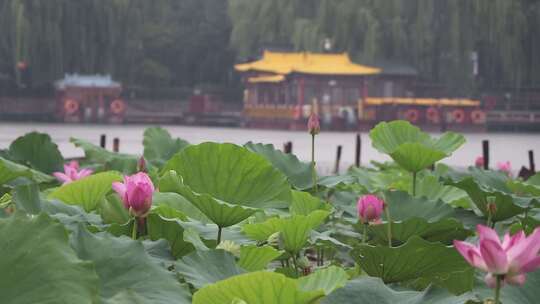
x: 358, y: 150
x: 103, y: 141
x: 485, y: 153
x: 287, y: 147
x: 338, y: 159
x: 116, y: 144
x: 532, y: 167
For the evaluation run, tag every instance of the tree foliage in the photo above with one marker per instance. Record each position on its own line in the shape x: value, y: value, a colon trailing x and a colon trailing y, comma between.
x: 149, y: 43
x: 189, y: 42
x: 437, y: 37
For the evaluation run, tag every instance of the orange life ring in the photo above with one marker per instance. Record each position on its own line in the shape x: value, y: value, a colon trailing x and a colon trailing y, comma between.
x: 412, y: 115
x: 478, y: 116
x: 118, y: 106
x: 432, y: 115
x: 458, y: 115
x: 71, y: 106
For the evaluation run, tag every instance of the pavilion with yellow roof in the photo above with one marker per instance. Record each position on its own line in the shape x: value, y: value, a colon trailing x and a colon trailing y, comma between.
x: 288, y: 86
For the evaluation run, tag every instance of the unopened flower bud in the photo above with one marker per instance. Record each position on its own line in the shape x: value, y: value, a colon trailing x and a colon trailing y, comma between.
x: 491, y: 207
x: 136, y: 192
x: 273, y: 240
x: 141, y: 165
x: 314, y: 125
x: 229, y: 246
x: 303, y: 262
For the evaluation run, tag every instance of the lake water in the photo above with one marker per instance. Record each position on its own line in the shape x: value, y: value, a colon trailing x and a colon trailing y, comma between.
x: 504, y: 146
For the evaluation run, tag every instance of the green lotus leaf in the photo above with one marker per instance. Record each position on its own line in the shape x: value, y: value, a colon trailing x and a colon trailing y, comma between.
x: 327, y: 279
x: 160, y: 227
x: 298, y: 173
x: 430, y: 187
x: 123, y: 266
x: 336, y: 181
x: 192, y: 236
x: 219, y: 212
x: 208, y: 233
x: 169, y: 213
x: 226, y: 182
x: 10, y: 171
x: 444, y: 230
x: 304, y: 203
x: 26, y: 198
x: 112, y: 210
x: 256, y: 287
x: 375, y: 181
x: 524, y: 188
x: 372, y: 290
x: 125, y: 163
x: 411, y: 148
x: 326, y: 240
x: 202, y: 268
x: 417, y: 259
x: 262, y: 231
x: 296, y: 229
x: 403, y: 206
x: 88, y: 192
x: 159, y: 251
x: 178, y: 203
x: 231, y: 174
x: 37, y: 151
x: 253, y: 258
x: 159, y: 146
x: 534, y: 180
x: 480, y: 185
x: 39, y: 266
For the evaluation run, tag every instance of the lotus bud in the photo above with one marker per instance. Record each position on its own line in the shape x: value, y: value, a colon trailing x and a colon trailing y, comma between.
x: 491, y: 207
x: 479, y: 162
x: 273, y: 240
x: 314, y: 125
x: 229, y: 246
x: 303, y: 262
x: 141, y: 165
x: 136, y: 192
x: 370, y: 208
x: 505, y: 167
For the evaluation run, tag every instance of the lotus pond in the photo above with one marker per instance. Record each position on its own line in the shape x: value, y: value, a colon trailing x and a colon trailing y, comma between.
x: 227, y: 224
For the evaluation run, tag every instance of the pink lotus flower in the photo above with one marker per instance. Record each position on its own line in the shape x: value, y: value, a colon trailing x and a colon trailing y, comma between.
x: 513, y: 257
x: 505, y: 167
x: 370, y: 208
x: 71, y: 173
x: 314, y: 125
x: 136, y: 193
x: 479, y: 162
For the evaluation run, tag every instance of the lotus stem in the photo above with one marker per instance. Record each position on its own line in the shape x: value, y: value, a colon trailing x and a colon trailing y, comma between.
x: 364, y: 235
x: 498, y: 289
x: 134, y: 231
x: 219, y: 235
x: 389, y: 219
x: 295, y: 264
x: 414, y: 184
x: 313, y: 170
